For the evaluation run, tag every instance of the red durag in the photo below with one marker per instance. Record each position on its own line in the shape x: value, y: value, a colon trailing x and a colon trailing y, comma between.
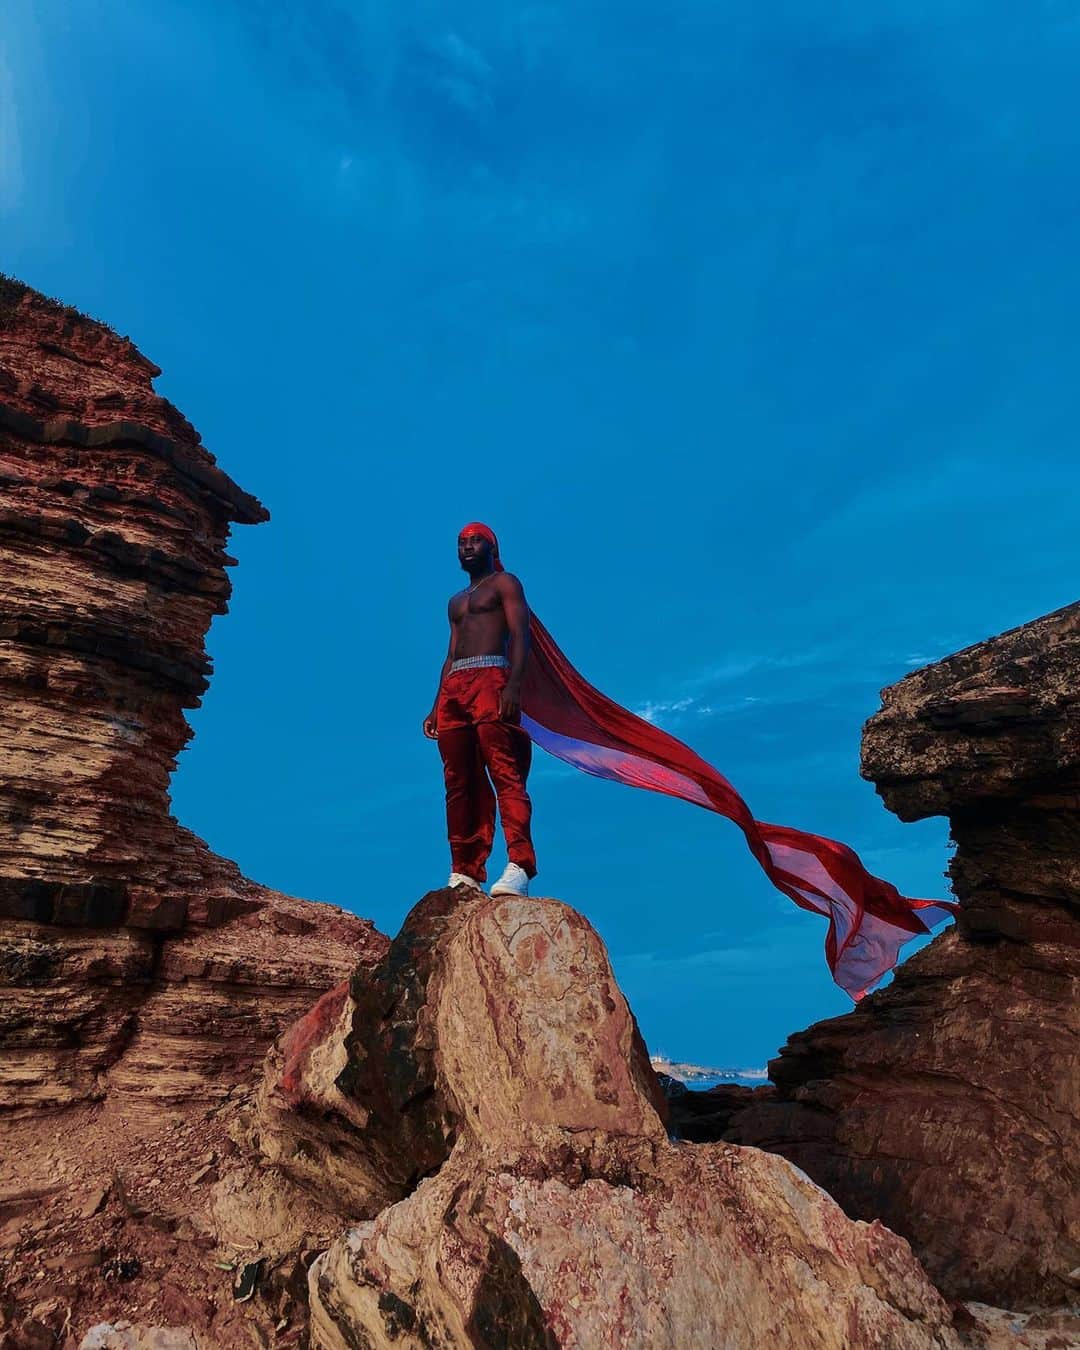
x: 869, y: 920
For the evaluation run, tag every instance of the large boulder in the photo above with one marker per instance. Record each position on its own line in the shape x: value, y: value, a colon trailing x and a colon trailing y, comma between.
x: 480, y: 1019
x: 694, y: 1245
x: 492, y: 1065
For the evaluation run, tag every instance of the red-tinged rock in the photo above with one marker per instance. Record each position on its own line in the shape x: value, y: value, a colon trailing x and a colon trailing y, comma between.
x: 304, y: 1044
x: 489, y: 1072
x: 948, y: 1105
x: 543, y: 1204
x: 307, y: 1127
x: 490, y: 1017
x: 712, y: 1246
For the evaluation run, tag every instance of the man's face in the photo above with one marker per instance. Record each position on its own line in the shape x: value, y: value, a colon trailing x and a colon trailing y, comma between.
x: 474, y: 553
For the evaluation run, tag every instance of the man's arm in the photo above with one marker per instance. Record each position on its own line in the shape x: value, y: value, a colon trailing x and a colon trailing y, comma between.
x: 430, y: 730
x: 516, y: 613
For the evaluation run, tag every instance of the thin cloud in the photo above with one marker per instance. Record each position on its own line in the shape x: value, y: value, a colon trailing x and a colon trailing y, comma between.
x: 464, y: 57
x: 660, y: 711
x: 835, y: 663
x: 787, y: 679
x: 464, y: 77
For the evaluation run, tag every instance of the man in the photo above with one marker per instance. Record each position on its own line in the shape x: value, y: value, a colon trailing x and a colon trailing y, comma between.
x: 476, y: 719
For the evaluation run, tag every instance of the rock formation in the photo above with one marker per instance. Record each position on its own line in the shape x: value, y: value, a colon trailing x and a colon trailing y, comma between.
x: 948, y: 1104
x: 113, y: 524
x: 491, y: 1070
x: 141, y: 976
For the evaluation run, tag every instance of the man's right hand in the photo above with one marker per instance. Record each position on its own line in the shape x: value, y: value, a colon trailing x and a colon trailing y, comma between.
x: 430, y: 730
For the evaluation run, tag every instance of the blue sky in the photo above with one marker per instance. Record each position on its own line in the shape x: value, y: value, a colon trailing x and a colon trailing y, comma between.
x: 751, y: 329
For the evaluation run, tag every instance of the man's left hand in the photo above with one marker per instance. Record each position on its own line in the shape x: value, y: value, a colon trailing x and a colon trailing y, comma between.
x: 509, y: 703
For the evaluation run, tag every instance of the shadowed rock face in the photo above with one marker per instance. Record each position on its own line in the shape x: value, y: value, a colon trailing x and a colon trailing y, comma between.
x: 491, y: 1072
x: 130, y: 954
x: 948, y: 1104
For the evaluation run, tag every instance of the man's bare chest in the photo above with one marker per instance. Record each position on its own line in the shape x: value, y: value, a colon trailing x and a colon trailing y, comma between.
x: 466, y: 607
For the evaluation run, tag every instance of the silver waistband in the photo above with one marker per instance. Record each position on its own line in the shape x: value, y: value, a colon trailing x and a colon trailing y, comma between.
x: 468, y: 662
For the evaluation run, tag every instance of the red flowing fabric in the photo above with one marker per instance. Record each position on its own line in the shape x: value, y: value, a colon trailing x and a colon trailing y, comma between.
x: 869, y: 920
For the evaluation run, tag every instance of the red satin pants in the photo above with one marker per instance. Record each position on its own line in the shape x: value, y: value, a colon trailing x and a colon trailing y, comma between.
x: 480, y: 750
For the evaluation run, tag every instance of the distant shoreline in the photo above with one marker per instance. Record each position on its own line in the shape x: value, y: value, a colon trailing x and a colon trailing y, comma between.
x: 696, y: 1073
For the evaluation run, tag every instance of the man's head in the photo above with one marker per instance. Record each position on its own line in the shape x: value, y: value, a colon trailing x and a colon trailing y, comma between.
x: 478, y: 549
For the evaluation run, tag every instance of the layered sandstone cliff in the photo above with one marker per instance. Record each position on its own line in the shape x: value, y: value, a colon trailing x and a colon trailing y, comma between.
x: 141, y: 976
x: 131, y: 957
x: 948, y: 1105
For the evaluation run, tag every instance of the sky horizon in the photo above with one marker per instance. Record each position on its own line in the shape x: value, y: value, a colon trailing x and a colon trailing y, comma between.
x: 752, y: 334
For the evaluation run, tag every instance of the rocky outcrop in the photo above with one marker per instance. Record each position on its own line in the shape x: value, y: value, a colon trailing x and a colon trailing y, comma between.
x: 142, y: 978
x: 131, y: 957
x: 161, y: 1018
x: 113, y: 522
x: 357, y: 1094
x: 948, y: 1105
x: 490, y: 1070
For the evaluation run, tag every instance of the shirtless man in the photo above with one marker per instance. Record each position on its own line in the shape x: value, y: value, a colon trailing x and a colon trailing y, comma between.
x: 476, y: 719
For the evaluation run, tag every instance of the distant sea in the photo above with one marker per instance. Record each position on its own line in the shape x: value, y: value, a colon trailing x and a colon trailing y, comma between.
x: 709, y: 1080
x: 700, y: 1077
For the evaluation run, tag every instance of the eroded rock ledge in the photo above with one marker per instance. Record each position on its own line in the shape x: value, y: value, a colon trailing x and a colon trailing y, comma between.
x: 948, y: 1105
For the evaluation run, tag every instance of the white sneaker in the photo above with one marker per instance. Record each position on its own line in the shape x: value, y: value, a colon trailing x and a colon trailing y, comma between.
x: 514, y: 881
x: 460, y: 879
